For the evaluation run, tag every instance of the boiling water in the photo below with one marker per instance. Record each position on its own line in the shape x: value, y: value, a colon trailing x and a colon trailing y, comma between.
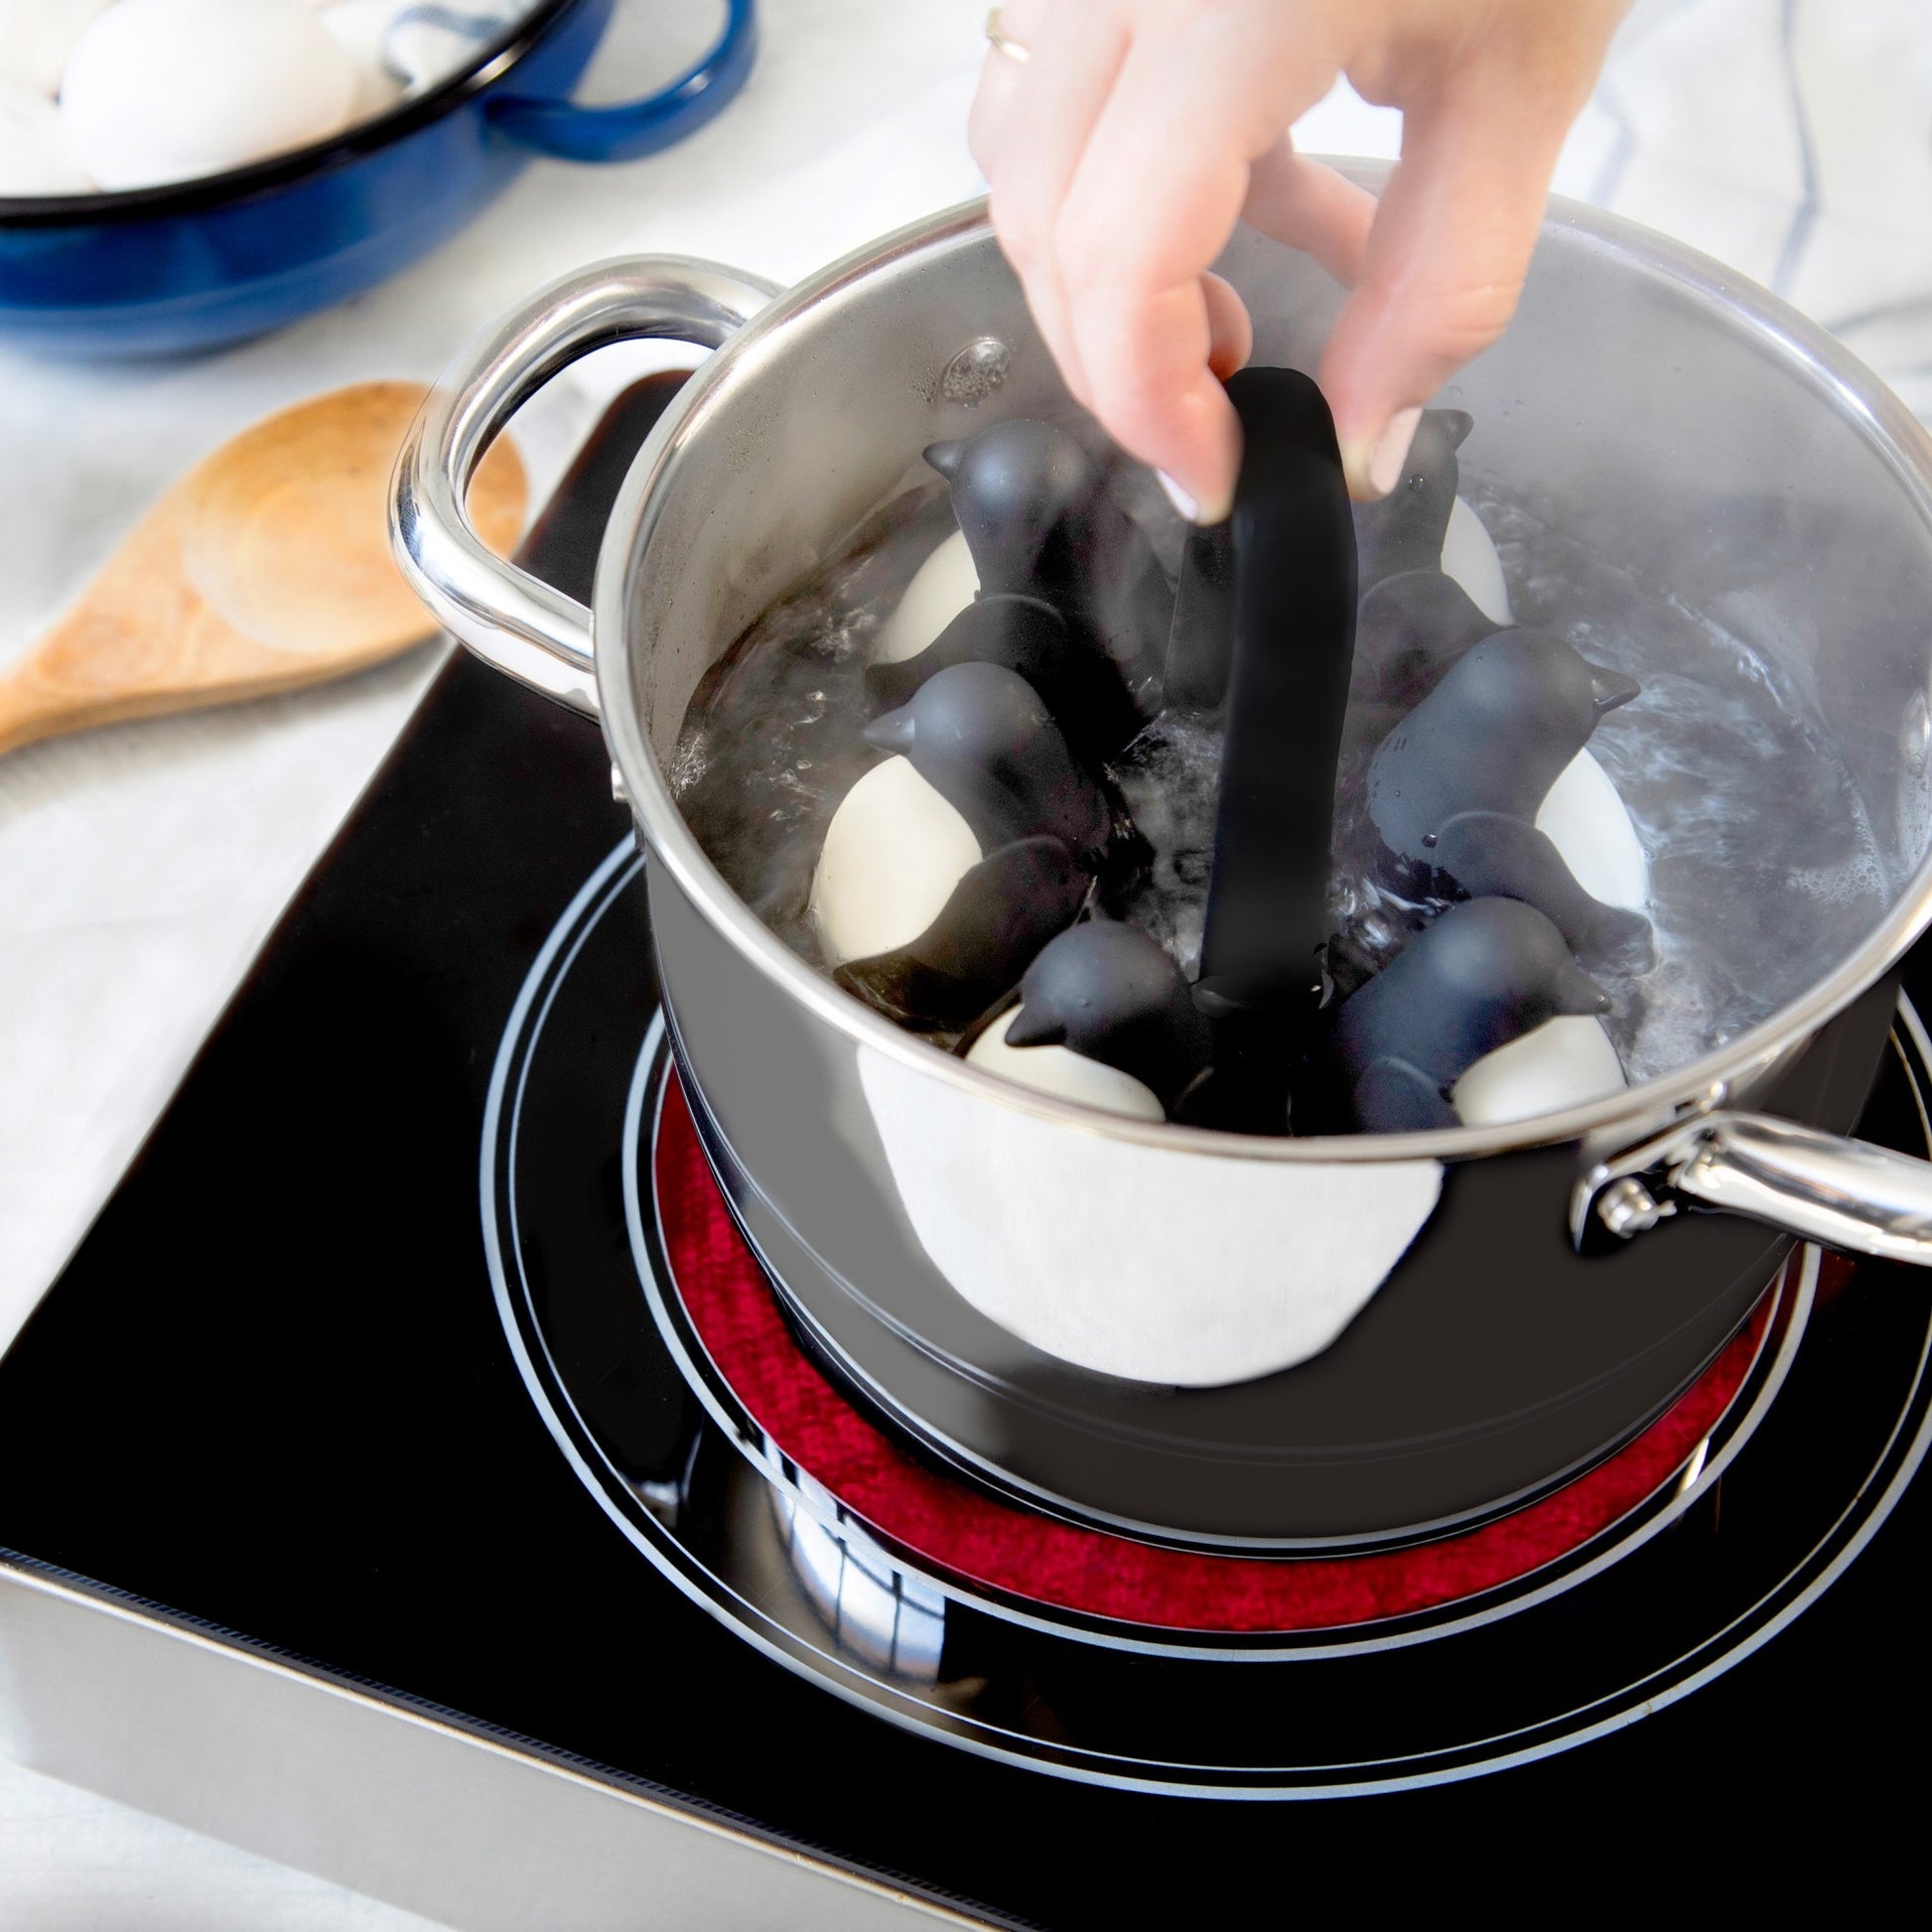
x: 770, y: 741
x: 1764, y: 871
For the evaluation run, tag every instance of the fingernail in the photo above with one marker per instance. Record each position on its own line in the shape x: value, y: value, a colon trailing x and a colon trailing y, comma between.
x: 1178, y: 497
x: 1385, y: 459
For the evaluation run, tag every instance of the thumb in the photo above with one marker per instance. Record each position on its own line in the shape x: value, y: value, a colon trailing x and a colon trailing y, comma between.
x: 1446, y: 261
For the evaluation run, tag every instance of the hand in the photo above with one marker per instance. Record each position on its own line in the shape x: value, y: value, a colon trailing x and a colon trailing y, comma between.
x: 1123, y: 151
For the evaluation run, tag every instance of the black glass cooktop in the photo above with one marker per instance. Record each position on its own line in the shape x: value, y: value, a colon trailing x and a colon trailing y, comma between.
x: 272, y: 1396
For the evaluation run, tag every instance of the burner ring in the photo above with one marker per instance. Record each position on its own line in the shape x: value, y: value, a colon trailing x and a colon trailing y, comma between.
x: 1801, y: 1496
x: 986, y: 1546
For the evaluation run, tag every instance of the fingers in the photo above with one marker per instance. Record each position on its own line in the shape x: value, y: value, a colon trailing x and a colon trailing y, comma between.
x: 1123, y: 151
x: 1310, y: 207
x: 1230, y: 331
x: 1444, y: 266
x: 1036, y: 127
x: 1159, y: 186
x: 992, y: 103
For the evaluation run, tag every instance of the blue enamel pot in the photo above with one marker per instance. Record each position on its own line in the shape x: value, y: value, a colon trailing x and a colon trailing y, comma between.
x: 235, y: 254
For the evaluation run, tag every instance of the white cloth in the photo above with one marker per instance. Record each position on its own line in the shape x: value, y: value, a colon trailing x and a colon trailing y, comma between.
x: 141, y: 867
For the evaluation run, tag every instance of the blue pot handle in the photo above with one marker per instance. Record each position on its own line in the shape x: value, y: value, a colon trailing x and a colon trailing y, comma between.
x: 626, y: 130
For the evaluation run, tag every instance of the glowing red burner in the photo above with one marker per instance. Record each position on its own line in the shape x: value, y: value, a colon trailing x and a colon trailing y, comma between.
x: 1012, y: 1549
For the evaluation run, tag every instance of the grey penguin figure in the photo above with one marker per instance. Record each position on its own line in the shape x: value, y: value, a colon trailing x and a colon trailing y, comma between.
x: 1455, y: 788
x: 981, y: 738
x: 1040, y: 522
x: 1485, y: 973
x: 999, y: 915
x: 1081, y: 687
x: 1106, y: 991
x: 1405, y: 530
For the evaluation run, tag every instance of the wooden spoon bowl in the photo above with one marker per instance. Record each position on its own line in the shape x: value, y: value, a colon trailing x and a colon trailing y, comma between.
x: 266, y: 567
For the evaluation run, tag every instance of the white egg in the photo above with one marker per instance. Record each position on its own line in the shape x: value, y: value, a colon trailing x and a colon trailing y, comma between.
x: 1584, y: 817
x: 1582, y: 814
x: 893, y: 854
x: 940, y: 588
x: 1060, y: 1072
x: 36, y: 38
x: 1470, y: 556
x: 163, y: 91
x: 33, y: 155
x: 1563, y: 1064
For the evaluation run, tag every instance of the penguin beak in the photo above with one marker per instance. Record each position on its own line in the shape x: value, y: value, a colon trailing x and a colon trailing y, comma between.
x: 1031, y: 1029
x: 1609, y: 689
x: 944, y: 456
x: 893, y: 731
x: 1577, y: 993
x: 1457, y: 424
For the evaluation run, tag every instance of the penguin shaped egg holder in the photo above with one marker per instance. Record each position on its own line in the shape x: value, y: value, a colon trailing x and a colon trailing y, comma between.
x: 973, y: 885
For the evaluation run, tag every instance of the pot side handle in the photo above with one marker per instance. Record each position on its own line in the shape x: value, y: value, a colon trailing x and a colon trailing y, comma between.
x: 1842, y: 1194
x: 513, y: 621
x: 626, y: 130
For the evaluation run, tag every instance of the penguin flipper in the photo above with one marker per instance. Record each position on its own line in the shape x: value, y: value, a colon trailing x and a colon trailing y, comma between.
x: 1413, y: 629
x: 1022, y: 634
x: 1000, y: 914
x: 984, y: 739
x: 1492, y: 855
x: 1392, y: 1097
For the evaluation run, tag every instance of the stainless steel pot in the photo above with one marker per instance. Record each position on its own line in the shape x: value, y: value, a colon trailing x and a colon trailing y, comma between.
x: 1642, y: 388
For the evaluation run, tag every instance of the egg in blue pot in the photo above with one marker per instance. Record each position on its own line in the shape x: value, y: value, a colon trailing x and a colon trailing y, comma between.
x: 163, y: 91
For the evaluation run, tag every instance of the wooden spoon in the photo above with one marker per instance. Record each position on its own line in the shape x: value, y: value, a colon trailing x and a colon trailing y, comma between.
x: 267, y: 566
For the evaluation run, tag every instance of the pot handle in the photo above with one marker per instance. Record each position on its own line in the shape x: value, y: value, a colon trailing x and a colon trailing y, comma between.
x: 513, y: 621
x: 1842, y: 1194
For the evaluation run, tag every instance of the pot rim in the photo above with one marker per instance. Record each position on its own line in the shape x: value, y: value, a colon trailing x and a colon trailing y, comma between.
x: 1890, y: 428
x: 199, y: 194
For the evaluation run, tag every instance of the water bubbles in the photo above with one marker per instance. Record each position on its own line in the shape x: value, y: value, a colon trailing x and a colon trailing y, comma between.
x: 1915, y: 734
x: 1169, y: 776
x: 689, y: 760
x: 1765, y: 871
x: 1764, y: 868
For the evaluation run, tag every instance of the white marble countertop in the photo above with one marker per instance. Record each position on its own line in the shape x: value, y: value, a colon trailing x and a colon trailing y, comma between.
x: 141, y: 867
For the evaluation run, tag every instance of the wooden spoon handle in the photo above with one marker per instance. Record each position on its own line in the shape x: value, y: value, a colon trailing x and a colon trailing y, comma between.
x: 28, y: 712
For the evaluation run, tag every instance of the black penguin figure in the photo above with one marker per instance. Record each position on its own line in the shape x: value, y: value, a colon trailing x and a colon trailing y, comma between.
x: 1410, y: 631
x: 981, y: 737
x: 1455, y: 788
x: 1486, y: 971
x: 1405, y: 530
x: 1081, y: 687
x: 1108, y: 992
x: 1040, y: 522
x: 1000, y: 914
